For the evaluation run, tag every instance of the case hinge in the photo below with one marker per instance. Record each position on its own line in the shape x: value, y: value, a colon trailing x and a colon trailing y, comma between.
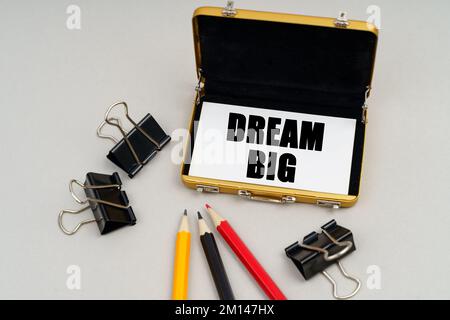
x: 209, y: 189
x: 364, y: 115
x: 341, y: 21
x: 329, y: 204
x: 199, y: 87
x: 248, y: 195
x: 229, y: 10
x: 365, y: 107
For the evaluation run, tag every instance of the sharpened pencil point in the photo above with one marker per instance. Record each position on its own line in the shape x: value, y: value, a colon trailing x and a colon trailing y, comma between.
x: 207, y: 206
x: 185, y: 212
x: 199, y: 215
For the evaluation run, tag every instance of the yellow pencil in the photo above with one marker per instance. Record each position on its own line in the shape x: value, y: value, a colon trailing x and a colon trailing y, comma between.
x: 181, y: 268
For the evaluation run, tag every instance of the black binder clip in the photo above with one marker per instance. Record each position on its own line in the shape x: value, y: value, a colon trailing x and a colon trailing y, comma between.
x: 319, y: 251
x: 138, y: 146
x: 108, y: 203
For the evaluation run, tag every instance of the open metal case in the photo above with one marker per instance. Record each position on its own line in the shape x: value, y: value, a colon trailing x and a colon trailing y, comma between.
x: 307, y: 64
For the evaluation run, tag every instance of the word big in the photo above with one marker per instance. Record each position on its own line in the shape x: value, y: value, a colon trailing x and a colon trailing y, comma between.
x: 259, y: 131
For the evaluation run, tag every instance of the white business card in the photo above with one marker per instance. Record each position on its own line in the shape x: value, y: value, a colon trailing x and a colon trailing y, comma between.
x: 273, y: 148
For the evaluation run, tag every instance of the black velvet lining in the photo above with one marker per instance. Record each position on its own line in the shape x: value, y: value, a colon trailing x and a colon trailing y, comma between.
x: 288, y: 62
x: 290, y: 67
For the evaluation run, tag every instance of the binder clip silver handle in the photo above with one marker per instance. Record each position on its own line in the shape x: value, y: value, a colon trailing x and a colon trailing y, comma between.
x: 334, y: 284
x: 78, y: 200
x: 72, y: 193
x: 100, y: 134
x: 78, y: 226
x: 346, y: 246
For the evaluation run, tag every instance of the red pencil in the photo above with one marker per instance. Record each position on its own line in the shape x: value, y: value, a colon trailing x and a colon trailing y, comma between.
x: 247, y: 258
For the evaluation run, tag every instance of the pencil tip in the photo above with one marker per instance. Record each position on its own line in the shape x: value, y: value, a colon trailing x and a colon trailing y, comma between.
x: 199, y: 215
x: 207, y: 206
x: 185, y: 212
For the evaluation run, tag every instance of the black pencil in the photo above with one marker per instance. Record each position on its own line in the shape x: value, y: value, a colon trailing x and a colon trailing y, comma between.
x: 214, y: 261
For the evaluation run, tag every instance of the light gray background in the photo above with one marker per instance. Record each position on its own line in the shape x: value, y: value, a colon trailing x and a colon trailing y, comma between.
x: 56, y: 85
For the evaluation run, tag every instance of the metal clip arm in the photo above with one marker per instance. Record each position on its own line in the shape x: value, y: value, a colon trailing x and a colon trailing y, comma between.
x: 78, y: 200
x: 78, y: 226
x: 334, y: 284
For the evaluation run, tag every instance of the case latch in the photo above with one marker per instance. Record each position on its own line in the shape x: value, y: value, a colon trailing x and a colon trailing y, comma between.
x: 329, y: 204
x: 248, y: 195
x: 210, y: 189
x: 342, y: 20
x: 229, y: 10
